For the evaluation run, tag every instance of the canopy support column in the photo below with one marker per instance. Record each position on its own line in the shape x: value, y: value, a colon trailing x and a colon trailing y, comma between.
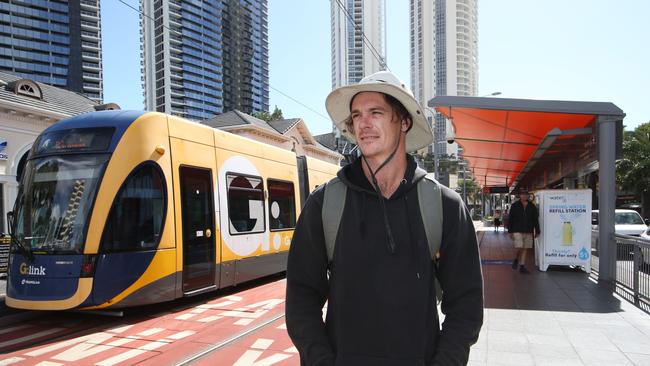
x: 607, y: 197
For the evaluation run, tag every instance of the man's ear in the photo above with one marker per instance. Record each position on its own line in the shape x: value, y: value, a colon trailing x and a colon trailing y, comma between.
x: 405, y: 125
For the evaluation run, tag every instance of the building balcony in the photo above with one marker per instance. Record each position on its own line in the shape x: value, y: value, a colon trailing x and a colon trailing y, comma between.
x: 89, y: 26
x: 92, y: 77
x: 88, y: 57
x: 89, y: 17
x: 92, y: 88
x: 89, y: 5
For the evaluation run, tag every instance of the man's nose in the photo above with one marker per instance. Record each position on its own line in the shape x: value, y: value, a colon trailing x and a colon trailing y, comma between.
x: 364, y: 121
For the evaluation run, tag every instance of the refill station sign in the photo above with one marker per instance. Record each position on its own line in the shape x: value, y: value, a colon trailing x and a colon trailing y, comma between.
x: 565, y: 223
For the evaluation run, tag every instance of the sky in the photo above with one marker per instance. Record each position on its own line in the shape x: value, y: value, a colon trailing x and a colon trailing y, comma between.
x: 584, y: 50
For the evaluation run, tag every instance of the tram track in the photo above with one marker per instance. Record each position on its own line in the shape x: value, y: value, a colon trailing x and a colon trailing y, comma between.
x: 67, y: 325
x: 230, y: 340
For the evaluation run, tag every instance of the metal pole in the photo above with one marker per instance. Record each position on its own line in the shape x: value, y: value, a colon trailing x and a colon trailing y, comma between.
x: 607, y: 197
x: 435, y: 161
x: 464, y: 187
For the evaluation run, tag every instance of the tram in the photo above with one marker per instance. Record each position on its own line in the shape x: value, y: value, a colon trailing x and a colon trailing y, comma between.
x: 125, y: 208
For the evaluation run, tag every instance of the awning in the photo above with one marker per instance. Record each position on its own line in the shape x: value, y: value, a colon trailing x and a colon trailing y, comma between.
x: 510, y: 142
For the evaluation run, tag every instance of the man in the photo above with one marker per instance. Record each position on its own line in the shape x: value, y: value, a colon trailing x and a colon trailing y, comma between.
x: 380, y: 286
x: 523, y: 226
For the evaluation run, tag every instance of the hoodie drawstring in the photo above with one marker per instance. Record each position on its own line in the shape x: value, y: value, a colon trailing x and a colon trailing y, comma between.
x: 389, y: 231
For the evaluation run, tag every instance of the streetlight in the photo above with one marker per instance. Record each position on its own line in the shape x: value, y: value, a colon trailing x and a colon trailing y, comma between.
x: 492, y: 94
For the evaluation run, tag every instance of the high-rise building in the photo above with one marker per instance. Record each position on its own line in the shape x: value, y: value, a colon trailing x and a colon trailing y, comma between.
x: 56, y: 42
x: 358, y: 31
x: 444, y: 57
x: 358, y: 39
x: 205, y: 58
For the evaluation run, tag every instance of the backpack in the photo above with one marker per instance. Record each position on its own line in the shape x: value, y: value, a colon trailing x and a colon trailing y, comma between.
x: 430, y: 202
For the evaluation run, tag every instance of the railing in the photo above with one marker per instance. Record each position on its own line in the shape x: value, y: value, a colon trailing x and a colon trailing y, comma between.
x: 632, y: 267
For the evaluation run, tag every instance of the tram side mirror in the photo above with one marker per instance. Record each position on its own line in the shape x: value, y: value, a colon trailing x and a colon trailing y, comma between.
x: 10, y: 222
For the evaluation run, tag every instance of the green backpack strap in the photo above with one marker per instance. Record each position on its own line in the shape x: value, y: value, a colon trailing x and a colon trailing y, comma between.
x: 430, y: 200
x: 333, y: 204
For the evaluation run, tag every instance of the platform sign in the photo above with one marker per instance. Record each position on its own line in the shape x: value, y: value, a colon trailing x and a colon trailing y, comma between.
x: 565, y: 223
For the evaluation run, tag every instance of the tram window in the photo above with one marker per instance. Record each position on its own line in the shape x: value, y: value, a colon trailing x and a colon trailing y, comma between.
x: 136, y: 218
x: 282, y: 205
x: 245, y: 204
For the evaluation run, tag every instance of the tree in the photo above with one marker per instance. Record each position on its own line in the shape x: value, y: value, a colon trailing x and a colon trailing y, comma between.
x: 446, y: 163
x: 264, y: 116
x: 472, y: 189
x: 633, y: 170
x: 277, y: 114
x: 268, y: 117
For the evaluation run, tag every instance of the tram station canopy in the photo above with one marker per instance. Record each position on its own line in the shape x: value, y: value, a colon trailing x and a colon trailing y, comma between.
x: 522, y: 142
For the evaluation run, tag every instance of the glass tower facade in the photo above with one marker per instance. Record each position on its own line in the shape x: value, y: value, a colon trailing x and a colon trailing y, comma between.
x: 54, y: 42
x: 202, y: 58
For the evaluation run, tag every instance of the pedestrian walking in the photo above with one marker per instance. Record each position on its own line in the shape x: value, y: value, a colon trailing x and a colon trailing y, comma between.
x: 497, y: 220
x: 523, y: 227
x: 378, y: 266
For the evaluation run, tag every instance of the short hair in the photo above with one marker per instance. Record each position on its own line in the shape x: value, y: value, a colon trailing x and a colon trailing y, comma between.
x: 398, y: 109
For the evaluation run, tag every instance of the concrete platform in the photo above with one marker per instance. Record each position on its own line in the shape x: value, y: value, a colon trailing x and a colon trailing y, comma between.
x: 559, y: 317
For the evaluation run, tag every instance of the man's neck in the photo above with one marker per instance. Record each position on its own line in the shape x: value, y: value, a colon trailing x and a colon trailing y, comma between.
x: 390, y: 176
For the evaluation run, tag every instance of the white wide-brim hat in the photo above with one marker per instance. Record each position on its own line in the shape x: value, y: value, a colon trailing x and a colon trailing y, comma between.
x: 338, y: 106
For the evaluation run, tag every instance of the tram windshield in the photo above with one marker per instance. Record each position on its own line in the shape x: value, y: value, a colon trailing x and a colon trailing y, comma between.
x: 54, y: 204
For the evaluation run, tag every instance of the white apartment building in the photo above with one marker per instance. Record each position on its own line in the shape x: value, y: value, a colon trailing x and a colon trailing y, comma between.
x: 358, y: 30
x: 358, y: 39
x: 444, y: 56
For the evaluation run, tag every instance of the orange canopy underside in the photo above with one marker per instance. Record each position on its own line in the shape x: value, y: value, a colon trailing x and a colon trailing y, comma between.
x: 498, y: 143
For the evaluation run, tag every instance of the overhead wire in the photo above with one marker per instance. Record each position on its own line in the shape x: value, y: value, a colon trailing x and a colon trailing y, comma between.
x: 373, y: 50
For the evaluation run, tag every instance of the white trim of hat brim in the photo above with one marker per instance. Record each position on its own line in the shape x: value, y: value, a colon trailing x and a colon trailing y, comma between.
x: 338, y: 107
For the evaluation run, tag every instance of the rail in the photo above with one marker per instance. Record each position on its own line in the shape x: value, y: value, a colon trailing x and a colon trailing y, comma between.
x: 632, y: 266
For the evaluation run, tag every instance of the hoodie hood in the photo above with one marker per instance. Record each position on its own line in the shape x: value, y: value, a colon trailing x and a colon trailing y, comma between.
x: 353, y: 177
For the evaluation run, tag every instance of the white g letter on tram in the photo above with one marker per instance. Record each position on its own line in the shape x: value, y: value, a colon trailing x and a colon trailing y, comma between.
x: 240, y: 244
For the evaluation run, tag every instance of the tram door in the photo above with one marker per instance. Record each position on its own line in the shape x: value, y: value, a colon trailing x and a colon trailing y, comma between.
x: 199, y: 260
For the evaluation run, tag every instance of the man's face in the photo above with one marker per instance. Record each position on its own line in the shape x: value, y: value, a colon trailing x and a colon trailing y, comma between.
x: 373, y: 123
x: 523, y: 197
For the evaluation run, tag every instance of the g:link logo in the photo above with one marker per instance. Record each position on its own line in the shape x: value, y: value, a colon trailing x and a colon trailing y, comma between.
x: 31, y: 270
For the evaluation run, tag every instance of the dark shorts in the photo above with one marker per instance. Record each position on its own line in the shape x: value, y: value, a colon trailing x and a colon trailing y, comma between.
x: 497, y: 222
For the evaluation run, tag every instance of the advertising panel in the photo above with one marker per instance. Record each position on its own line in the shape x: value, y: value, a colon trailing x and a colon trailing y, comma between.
x: 565, y: 223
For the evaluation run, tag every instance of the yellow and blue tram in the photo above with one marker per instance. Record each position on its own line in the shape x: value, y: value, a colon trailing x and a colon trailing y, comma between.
x: 125, y: 208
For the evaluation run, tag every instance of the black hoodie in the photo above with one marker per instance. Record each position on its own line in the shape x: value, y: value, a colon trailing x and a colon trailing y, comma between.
x: 382, y: 305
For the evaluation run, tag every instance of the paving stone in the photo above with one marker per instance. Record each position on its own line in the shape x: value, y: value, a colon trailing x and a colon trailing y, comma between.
x: 638, y: 359
x: 595, y: 357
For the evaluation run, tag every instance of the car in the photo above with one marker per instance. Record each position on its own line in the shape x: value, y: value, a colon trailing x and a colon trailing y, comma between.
x: 645, y: 251
x: 626, y: 222
x: 646, y: 234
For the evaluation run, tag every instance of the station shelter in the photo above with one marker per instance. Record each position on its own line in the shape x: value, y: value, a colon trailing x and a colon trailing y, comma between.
x: 541, y: 144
